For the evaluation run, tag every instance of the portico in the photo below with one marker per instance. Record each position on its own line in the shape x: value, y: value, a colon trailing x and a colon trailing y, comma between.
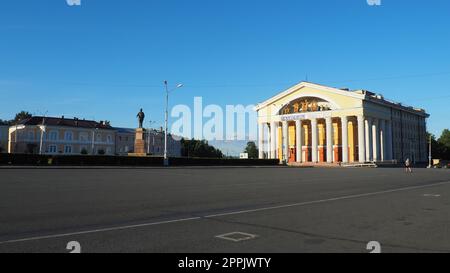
x: 319, y: 124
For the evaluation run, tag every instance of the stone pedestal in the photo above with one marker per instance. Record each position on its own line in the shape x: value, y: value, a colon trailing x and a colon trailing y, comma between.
x: 139, y: 142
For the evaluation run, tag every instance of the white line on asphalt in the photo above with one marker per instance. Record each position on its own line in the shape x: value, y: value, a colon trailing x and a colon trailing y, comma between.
x: 221, y: 214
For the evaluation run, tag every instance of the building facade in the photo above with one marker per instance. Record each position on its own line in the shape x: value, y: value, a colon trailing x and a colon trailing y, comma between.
x: 124, y: 141
x: 65, y: 136
x: 61, y: 136
x: 315, y: 123
x: 154, y: 142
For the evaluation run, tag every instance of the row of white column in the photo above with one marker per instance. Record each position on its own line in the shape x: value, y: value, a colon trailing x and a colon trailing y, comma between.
x: 374, y: 140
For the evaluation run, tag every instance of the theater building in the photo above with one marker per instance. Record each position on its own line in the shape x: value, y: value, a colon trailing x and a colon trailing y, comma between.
x: 320, y: 124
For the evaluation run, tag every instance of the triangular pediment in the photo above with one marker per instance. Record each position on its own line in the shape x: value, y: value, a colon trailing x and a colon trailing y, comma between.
x: 336, y: 98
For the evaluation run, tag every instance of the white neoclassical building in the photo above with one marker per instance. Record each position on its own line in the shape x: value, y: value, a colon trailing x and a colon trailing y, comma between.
x: 315, y: 123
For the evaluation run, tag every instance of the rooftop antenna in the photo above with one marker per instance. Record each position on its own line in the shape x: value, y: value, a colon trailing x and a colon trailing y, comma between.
x: 306, y: 78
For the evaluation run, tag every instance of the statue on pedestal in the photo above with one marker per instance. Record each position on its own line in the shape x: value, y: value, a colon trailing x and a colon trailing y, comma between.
x: 139, y: 139
x: 141, y: 117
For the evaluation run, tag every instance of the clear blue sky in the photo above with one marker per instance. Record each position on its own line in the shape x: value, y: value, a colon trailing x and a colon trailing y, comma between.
x: 108, y: 58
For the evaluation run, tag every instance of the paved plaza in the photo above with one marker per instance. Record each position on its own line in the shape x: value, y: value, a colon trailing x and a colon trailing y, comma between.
x: 215, y: 210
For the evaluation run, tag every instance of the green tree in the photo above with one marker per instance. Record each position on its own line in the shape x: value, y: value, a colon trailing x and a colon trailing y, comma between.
x: 199, y: 148
x: 23, y: 115
x: 445, y: 138
x: 444, y: 143
x: 440, y: 148
x: 252, y: 150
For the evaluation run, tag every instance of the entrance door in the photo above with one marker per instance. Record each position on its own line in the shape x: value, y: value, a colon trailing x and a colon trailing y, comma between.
x: 292, y: 155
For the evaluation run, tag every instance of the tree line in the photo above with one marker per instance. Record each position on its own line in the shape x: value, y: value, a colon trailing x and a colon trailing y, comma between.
x: 199, y: 148
x: 23, y: 115
x: 440, y: 147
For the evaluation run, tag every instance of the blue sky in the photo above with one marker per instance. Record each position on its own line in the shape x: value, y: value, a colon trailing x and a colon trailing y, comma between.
x: 108, y: 58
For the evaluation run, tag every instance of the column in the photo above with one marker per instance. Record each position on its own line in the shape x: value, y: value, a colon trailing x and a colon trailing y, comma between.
x: 261, y: 140
x: 344, y: 124
x: 375, y: 140
x: 273, y: 140
x: 361, y: 140
x: 369, y: 150
x: 314, y: 140
x: 389, y: 152
x: 285, y: 141
x: 299, y: 140
x: 267, y: 140
x: 329, y: 134
x: 382, y: 140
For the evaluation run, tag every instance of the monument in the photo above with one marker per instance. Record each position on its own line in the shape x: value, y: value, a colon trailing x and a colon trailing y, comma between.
x: 139, y: 142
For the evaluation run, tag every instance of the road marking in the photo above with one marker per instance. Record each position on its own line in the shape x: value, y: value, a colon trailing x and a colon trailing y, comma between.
x: 432, y: 195
x: 237, y: 236
x: 222, y: 214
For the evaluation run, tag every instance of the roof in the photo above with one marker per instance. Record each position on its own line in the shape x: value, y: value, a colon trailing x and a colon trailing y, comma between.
x: 361, y: 94
x: 77, y: 123
x: 125, y: 130
x: 307, y: 84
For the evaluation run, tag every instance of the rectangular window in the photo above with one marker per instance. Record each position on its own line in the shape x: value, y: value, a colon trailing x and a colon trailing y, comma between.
x: 53, y: 135
x: 68, y: 136
x: 67, y: 149
x: 52, y: 149
x: 83, y: 137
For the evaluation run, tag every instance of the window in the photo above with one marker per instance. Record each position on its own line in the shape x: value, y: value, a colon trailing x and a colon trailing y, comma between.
x: 109, y: 139
x: 53, y: 135
x: 99, y: 137
x: 68, y: 136
x: 52, y: 149
x: 67, y: 149
x: 84, y: 137
x: 30, y: 135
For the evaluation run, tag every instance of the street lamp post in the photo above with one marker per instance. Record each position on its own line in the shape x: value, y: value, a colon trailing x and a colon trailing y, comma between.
x: 18, y: 127
x: 93, y: 140
x: 42, y: 127
x: 15, y: 141
x: 430, y: 158
x: 166, y: 121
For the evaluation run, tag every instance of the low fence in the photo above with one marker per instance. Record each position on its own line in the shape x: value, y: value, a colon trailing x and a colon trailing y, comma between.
x: 82, y: 160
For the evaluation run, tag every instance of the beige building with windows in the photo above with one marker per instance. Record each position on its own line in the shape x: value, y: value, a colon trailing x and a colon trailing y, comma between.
x: 154, y: 142
x: 61, y: 136
x: 315, y: 123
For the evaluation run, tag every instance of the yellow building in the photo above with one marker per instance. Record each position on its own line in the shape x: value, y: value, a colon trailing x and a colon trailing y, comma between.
x: 315, y: 123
